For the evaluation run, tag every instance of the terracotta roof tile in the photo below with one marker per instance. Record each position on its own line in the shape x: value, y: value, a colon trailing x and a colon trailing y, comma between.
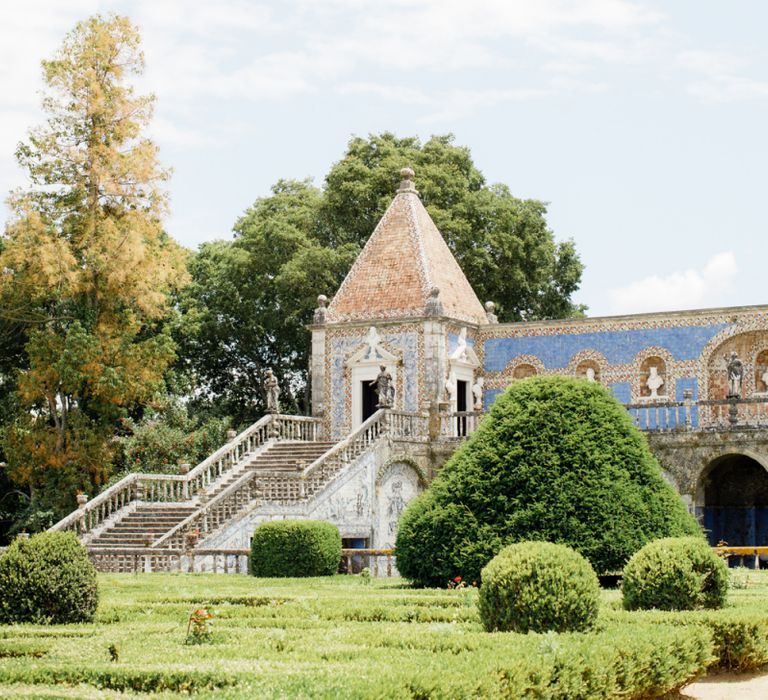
x: 403, y: 259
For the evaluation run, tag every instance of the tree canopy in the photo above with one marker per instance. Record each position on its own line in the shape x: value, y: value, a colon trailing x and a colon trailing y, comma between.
x: 556, y: 459
x: 85, y: 268
x: 251, y: 298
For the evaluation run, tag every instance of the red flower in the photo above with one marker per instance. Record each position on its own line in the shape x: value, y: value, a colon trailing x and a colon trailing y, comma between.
x: 457, y: 579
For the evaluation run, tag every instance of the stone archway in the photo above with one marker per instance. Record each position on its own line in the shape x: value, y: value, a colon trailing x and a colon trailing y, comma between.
x: 735, y: 497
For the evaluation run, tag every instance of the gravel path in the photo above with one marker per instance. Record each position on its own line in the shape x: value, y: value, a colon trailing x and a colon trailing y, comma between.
x: 728, y: 686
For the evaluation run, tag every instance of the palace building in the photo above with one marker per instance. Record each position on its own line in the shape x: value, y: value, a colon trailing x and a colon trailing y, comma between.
x: 405, y: 361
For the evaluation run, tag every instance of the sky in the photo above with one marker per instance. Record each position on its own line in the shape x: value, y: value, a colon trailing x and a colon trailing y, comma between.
x: 642, y: 124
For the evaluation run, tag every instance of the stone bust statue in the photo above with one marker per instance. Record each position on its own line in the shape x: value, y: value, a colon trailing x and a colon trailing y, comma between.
x: 654, y: 381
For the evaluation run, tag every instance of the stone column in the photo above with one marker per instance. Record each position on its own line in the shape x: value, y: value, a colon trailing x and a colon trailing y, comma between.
x: 317, y: 371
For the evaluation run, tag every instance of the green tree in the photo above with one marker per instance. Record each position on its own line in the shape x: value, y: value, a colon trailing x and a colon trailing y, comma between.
x: 85, y: 267
x: 557, y: 459
x: 251, y: 298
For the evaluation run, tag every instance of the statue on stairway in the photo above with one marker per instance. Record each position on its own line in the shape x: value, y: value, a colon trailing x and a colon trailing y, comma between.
x: 384, y: 388
x: 273, y: 392
x: 735, y: 369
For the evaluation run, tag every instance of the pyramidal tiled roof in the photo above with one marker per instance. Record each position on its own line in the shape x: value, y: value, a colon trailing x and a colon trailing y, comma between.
x: 402, y: 261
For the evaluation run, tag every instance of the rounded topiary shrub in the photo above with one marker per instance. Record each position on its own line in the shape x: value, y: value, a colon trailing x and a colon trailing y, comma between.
x: 556, y: 459
x: 47, y: 579
x: 295, y: 548
x: 675, y: 573
x: 538, y: 587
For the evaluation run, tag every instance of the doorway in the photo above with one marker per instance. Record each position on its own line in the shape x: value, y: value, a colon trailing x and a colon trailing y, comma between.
x: 369, y: 400
x: 736, y: 502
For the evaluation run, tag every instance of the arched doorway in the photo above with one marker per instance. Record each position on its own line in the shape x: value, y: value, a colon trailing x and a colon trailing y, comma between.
x: 736, y: 501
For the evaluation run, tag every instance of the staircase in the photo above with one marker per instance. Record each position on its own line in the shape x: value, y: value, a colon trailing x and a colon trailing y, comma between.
x: 145, y: 521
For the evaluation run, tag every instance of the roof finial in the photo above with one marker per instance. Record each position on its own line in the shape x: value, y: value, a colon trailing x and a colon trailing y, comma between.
x: 406, y: 185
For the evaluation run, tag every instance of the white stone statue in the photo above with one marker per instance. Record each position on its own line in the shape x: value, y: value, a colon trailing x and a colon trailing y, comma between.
x: 384, y: 388
x: 273, y: 392
x: 321, y: 312
x: 460, y: 353
x: 590, y: 374
x: 477, y: 394
x: 450, y: 389
x: 373, y: 341
x: 654, y: 381
x: 490, y: 312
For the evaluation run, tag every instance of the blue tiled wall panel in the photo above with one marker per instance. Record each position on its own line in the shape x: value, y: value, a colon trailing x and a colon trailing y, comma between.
x: 621, y: 391
x: 490, y: 397
x: 619, y: 347
x: 684, y: 383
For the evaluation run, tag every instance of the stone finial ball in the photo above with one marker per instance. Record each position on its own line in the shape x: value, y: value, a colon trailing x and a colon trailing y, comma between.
x: 407, y: 173
x: 322, y: 300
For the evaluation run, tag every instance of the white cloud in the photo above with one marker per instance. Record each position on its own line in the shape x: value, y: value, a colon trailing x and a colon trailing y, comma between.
x: 686, y: 289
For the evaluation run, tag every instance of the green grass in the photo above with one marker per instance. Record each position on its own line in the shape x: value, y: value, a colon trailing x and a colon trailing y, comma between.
x: 340, y: 637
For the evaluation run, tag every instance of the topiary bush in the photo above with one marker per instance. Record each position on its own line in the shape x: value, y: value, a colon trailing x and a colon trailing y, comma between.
x: 675, y: 573
x: 47, y: 579
x: 538, y: 587
x: 556, y: 459
x: 295, y: 548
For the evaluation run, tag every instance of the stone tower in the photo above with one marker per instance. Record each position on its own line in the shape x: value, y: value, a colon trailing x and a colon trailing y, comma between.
x: 405, y: 305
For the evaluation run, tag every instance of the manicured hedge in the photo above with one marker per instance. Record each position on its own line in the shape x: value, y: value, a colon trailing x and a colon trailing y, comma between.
x: 295, y: 548
x: 47, y: 579
x: 675, y: 573
x: 556, y: 459
x: 539, y: 587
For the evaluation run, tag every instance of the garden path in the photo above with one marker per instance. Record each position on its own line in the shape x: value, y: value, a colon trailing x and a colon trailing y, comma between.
x: 728, y: 686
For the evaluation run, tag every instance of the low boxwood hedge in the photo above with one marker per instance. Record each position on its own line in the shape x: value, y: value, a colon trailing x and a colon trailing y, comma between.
x: 295, y: 548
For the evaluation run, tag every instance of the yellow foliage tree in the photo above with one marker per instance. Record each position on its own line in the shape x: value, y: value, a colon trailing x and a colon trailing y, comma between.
x: 85, y: 267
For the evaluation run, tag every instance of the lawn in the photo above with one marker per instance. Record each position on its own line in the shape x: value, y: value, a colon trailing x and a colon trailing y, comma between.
x: 346, y: 637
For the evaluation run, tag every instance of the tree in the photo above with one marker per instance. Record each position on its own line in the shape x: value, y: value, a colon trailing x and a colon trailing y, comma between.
x: 251, y: 298
x: 85, y: 267
x: 557, y: 459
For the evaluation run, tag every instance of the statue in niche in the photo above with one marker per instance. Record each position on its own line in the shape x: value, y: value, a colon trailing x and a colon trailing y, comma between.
x: 460, y: 353
x: 384, y: 388
x: 321, y: 313
x: 735, y: 369
x: 490, y: 312
x: 434, y: 306
x: 396, y: 506
x: 477, y: 394
x: 654, y: 381
x: 590, y: 374
x: 273, y: 392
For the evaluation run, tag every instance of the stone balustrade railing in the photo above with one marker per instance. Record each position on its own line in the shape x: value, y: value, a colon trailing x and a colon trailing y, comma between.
x: 459, y: 424
x: 711, y: 414
x: 162, y: 488
x: 257, y: 486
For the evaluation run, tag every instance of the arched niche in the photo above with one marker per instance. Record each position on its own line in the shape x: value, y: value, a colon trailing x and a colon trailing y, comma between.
x: 761, y: 372
x: 589, y: 370
x: 734, y: 492
x: 523, y: 371
x: 397, y: 485
x: 653, y: 376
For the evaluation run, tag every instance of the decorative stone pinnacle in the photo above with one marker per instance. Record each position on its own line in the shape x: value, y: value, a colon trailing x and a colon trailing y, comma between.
x: 406, y: 185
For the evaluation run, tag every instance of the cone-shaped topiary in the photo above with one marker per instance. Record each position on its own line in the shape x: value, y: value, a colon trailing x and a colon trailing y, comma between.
x: 47, y: 579
x: 295, y: 548
x: 675, y: 573
x: 538, y: 587
x: 556, y: 459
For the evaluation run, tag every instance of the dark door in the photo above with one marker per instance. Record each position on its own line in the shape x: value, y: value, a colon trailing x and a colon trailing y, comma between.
x: 461, y: 407
x: 369, y: 400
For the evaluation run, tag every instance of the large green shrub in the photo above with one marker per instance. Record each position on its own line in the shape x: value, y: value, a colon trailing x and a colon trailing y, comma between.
x: 295, y: 548
x: 538, y: 587
x: 47, y: 579
x: 556, y: 459
x: 675, y: 573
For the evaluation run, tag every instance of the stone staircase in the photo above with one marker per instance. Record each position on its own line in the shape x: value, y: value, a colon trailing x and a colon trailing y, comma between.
x: 150, y: 521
